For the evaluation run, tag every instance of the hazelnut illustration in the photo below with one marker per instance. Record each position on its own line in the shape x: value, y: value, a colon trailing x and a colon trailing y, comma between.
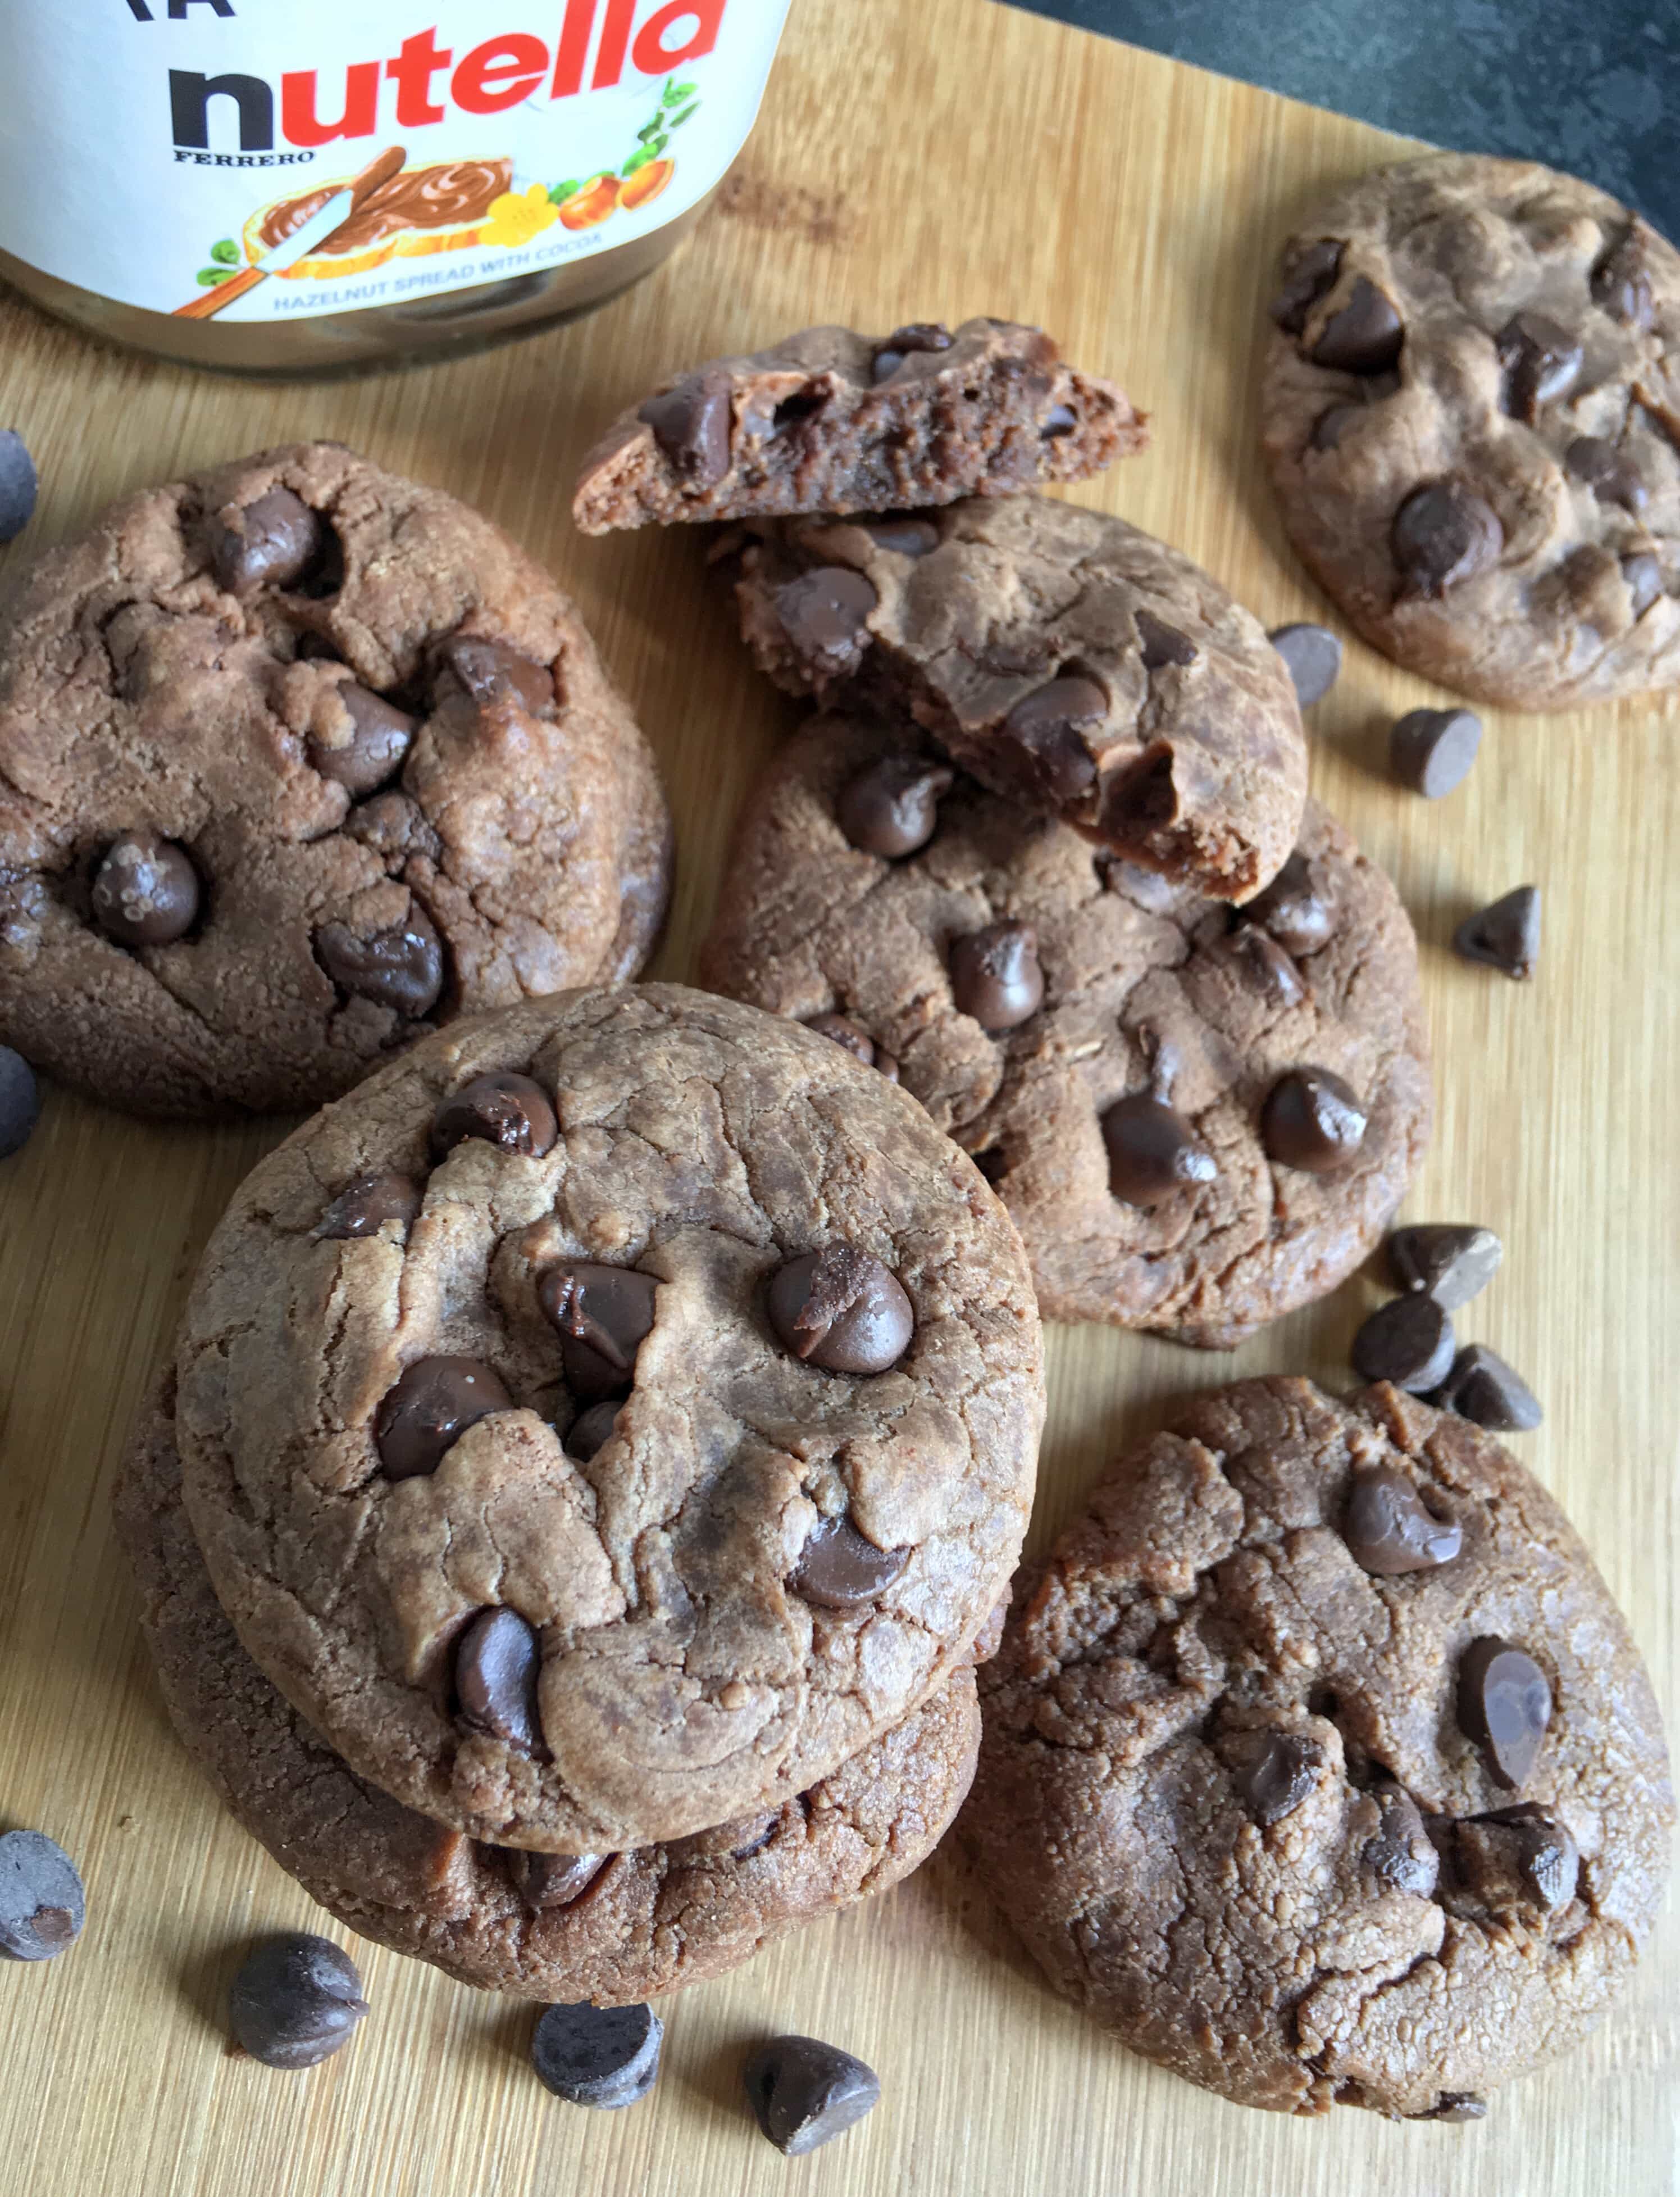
x: 591, y: 206
x: 646, y: 183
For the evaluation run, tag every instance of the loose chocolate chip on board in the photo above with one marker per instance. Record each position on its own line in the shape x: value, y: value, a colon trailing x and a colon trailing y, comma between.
x: 691, y: 425
x: 512, y: 1112
x: 839, y: 1569
x: 1608, y: 472
x: 146, y: 890
x: 1365, y: 337
x: 1390, y: 1531
x: 1453, y: 1261
x: 1046, y: 725
x: 1483, y: 1389
x: 363, y: 1207
x: 592, y: 1429
x: 1312, y: 655
x: 20, y: 1101
x: 490, y: 671
x: 804, y: 2093
x: 547, y: 1881
x: 995, y: 975
x: 1306, y: 278
x: 1621, y: 281
x: 1292, y: 909
x: 41, y: 1907
x: 378, y: 737
x: 825, y: 614
x: 915, y: 335
x: 296, y: 2001
x: 1444, y: 534
x: 602, y: 1315
x: 1274, y: 1771
x: 429, y: 1408
x: 902, y: 538
x: 1455, y: 2105
x: 19, y: 486
x: 496, y: 1664
x: 1313, y: 1121
x: 841, y: 1309
x: 400, y: 968
x: 1506, y: 935
x: 1504, y: 1707
x: 1400, y: 1852
x: 1409, y: 1341
x: 1541, y: 362
x: 1160, y: 644
x: 1430, y: 751
x: 271, y: 542
x: 892, y: 808
x: 605, y: 2056
x: 1153, y: 1152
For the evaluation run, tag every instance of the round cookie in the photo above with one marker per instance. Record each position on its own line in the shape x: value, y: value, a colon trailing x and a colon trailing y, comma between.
x: 810, y: 1498
x: 615, y: 1929
x: 1147, y: 992
x: 298, y: 760
x: 1471, y: 411
x: 1238, y: 1791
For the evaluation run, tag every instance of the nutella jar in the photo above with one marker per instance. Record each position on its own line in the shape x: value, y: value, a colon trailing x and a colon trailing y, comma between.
x: 289, y: 186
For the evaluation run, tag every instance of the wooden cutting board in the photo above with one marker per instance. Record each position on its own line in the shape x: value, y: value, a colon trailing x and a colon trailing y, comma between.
x: 917, y: 159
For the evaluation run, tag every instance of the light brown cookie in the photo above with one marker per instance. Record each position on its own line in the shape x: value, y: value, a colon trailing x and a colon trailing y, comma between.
x: 819, y: 1329
x: 298, y: 759
x: 614, y: 1928
x: 1471, y: 410
x: 1197, y: 1215
x: 831, y: 421
x: 1305, y: 1826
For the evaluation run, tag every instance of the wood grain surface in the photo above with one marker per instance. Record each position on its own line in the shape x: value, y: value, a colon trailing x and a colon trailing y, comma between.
x: 917, y: 159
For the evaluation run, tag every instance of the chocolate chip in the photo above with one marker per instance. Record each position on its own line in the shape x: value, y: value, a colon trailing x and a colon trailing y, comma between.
x: 892, y: 808
x: 496, y: 1662
x: 430, y: 1407
x: 1313, y: 1121
x: 493, y: 671
x: 296, y: 2001
x: 146, y: 891
x: 995, y: 975
x: 1541, y: 362
x: 839, y: 1569
x: 1268, y: 966
x: 1330, y: 428
x: 1483, y: 1389
x: 1364, y: 337
x: 1455, y: 2105
x: 841, y: 1309
x: 400, y: 968
x: 1060, y: 420
x: 804, y: 2093
x: 603, y: 1315
x: 1046, y: 725
x: 1621, y: 281
x: 753, y: 1836
x: 1453, y: 1262
x: 20, y: 1101
x: 512, y: 1112
x: 1160, y: 644
x: 549, y: 1881
x: 1517, y: 1857
x: 19, y: 486
x: 1307, y: 277
x: 1292, y: 909
x: 379, y: 737
x: 1505, y: 934
x: 1274, y: 1771
x: 1312, y: 655
x: 605, y: 2056
x: 1431, y: 750
x: 271, y: 542
x: 1643, y: 573
x: 592, y: 1430
x: 902, y: 538
x: 1504, y: 1707
x: 825, y: 614
x: 1389, y: 1531
x: 1444, y: 534
x: 1400, y: 1850
x: 690, y: 425
x: 366, y: 1204
x: 41, y: 1907
x: 915, y: 335
x: 1409, y: 1341
x: 1610, y: 475
x: 1153, y: 1152
x: 845, y: 1032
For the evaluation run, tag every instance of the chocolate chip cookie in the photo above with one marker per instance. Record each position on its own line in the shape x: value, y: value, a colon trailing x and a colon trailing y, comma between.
x: 618, y: 1412
x: 1198, y: 1118
x: 1471, y: 410
x: 616, y: 1928
x: 1070, y: 661
x: 298, y: 759
x: 1317, y: 1763
x: 831, y: 421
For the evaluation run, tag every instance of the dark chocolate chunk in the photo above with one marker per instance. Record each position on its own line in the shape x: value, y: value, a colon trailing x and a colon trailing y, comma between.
x: 1454, y: 1262
x: 1409, y: 1341
x: 146, y: 890
x: 364, y: 1206
x: 1307, y: 277
x: 605, y: 2056
x: 1268, y: 966
x: 1621, y: 281
x: 1160, y: 644
x: 1483, y: 1389
x: 841, y: 1309
x: 902, y: 538
x: 1388, y: 1530
x: 296, y: 2001
x: 1541, y: 360
x: 1365, y: 337
x: 1313, y: 1121
x: 1430, y: 751
x: 379, y: 738
x: 42, y: 1905
x: 20, y: 1101
x: 492, y: 671
x: 1274, y: 1771
x: 825, y: 614
x: 603, y: 1315
x: 271, y: 542
x: 1455, y: 2105
x: 1153, y: 1152
x: 512, y: 1112
x: 995, y: 975
x: 1444, y: 534
x: 804, y: 2093
x: 1643, y: 573
x: 1400, y: 1852
x: 547, y: 1881
x: 1312, y: 655
x: 1045, y: 726
x: 1610, y: 473
x: 1504, y: 1707
x: 1506, y: 936
x: 1329, y: 426
x: 19, y: 486
x: 839, y: 1569
x: 430, y: 1407
x: 916, y: 335
x: 1060, y: 420
x: 857, y: 1041
x: 592, y: 1429
x: 892, y: 808
x: 496, y: 1663
x: 400, y: 968
x: 1292, y: 909
x: 1517, y: 1857
x: 691, y: 425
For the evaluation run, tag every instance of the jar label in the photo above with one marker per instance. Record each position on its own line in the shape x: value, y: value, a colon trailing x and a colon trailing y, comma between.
x: 194, y: 156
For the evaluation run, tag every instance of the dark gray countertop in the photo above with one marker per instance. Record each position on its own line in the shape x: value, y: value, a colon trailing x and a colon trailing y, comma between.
x: 1582, y: 84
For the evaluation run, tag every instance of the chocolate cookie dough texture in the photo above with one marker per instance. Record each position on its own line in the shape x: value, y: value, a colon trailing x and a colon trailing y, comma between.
x: 831, y: 421
x: 300, y: 760
x: 1471, y: 411
x: 1199, y: 1117
x: 1317, y: 1764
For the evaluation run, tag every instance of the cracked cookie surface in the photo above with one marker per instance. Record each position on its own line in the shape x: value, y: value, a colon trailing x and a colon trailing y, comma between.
x: 614, y: 1928
x: 298, y: 759
x: 1226, y: 1793
x: 1471, y: 410
x: 765, y: 1563
x: 1321, y: 972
